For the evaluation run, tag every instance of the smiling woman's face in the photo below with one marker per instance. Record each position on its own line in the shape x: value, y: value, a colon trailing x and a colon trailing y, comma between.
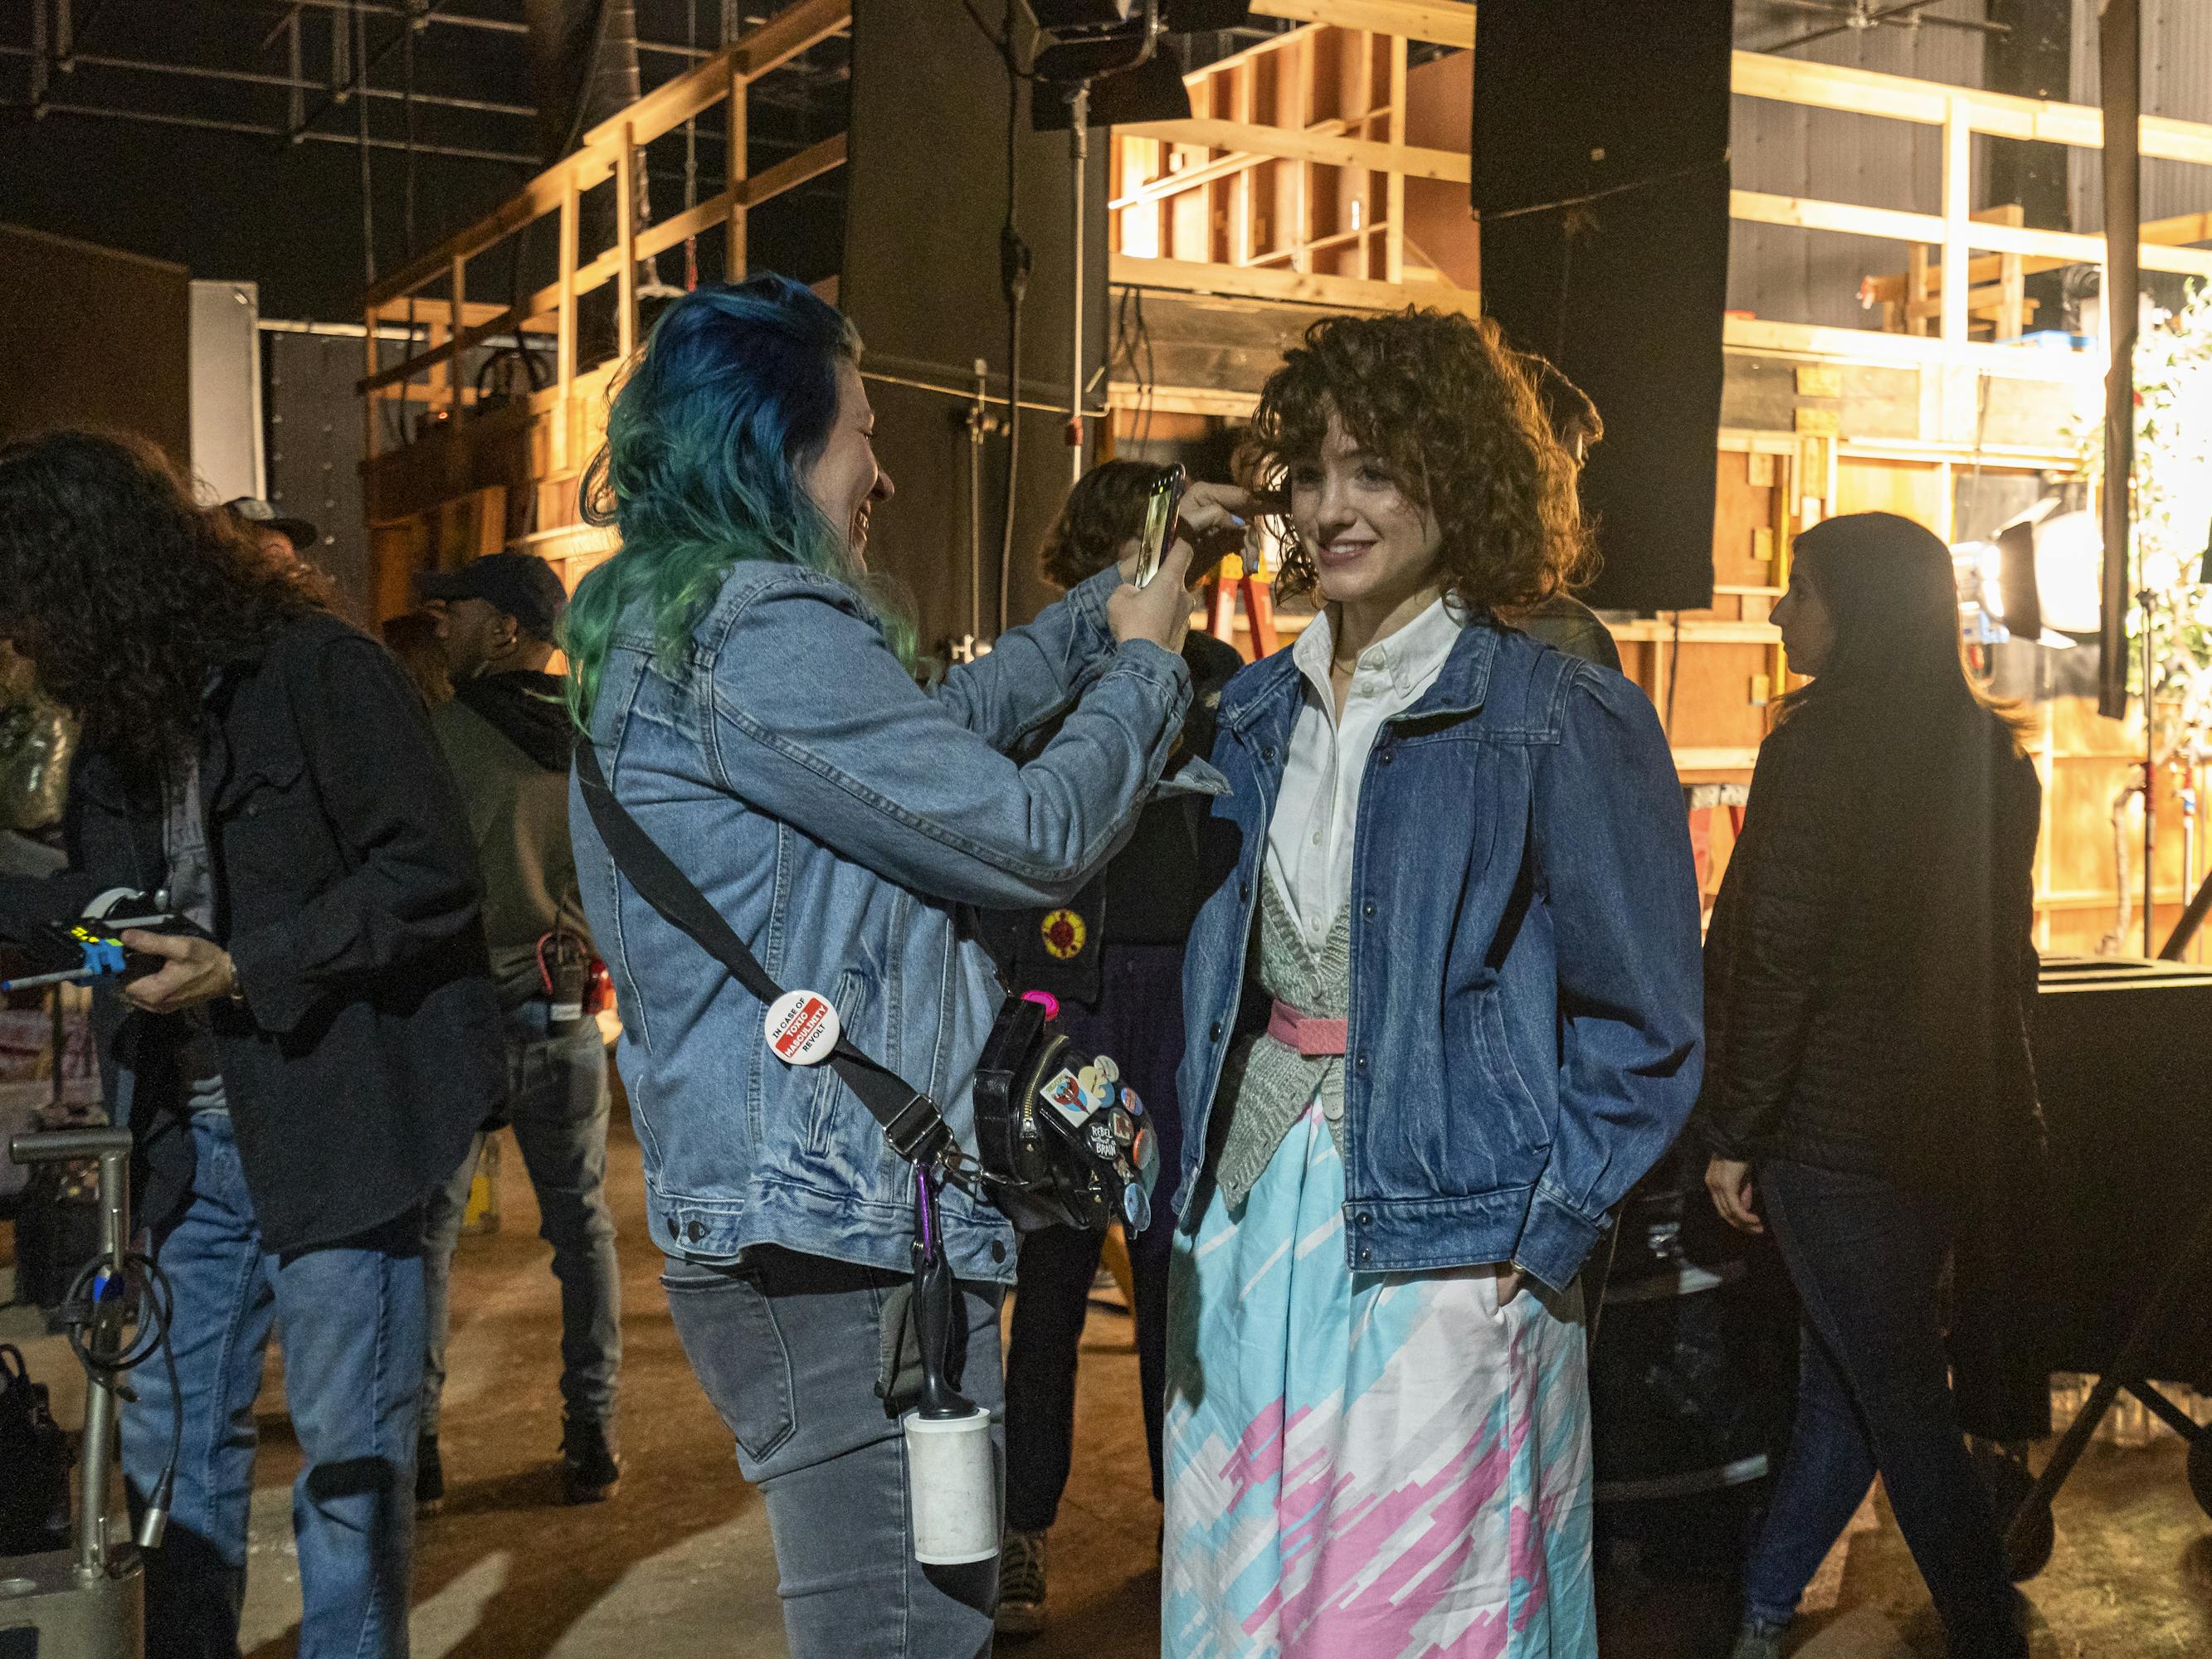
x: 845, y: 480
x: 1372, y: 544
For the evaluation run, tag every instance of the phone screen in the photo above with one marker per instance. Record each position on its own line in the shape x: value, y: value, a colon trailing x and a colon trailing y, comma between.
x: 1153, y: 538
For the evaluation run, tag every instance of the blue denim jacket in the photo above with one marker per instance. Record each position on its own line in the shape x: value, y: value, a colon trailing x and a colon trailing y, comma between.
x: 1526, y: 1014
x: 839, y: 816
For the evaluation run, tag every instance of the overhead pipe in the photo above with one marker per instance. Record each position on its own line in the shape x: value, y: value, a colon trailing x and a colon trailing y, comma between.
x: 160, y: 117
x: 464, y: 19
x: 291, y: 82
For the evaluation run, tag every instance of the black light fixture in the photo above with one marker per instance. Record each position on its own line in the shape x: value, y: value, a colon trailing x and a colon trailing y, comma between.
x: 1086, y: 45
x: 1113, y: 48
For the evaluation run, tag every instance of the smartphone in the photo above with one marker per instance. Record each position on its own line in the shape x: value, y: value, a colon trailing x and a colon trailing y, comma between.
x: 1157, y: 533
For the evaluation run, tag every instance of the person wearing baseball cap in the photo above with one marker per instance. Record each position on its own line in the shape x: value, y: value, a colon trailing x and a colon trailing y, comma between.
x: 507, y: 734
x: 499, y: 614
x: 279, y: 536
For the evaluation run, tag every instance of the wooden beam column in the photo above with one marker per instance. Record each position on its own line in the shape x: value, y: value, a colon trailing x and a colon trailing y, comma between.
x: 626, y: 245
x: 1958, y: 211
x: 564, y: 347
x: 458, y: 306
x: 1394, y: 204
x: 735, y: 254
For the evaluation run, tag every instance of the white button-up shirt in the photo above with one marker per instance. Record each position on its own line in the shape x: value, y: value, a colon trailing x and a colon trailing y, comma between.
x: 1310, y: 838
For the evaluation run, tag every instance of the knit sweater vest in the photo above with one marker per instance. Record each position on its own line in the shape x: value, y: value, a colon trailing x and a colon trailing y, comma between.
x: 1266, y: 1084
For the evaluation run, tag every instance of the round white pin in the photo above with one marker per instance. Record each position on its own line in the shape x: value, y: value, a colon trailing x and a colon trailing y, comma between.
x: 802, y: 1028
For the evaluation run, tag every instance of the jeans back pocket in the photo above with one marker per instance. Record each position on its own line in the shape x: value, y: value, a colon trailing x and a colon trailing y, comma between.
x: 728, y: 1330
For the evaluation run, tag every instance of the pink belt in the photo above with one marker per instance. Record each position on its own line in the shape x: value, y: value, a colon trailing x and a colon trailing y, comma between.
x: 1309, y: 1035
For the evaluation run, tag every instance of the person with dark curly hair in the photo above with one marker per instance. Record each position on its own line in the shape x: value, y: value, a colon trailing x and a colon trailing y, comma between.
x: 1563, y: 622
x: 319, y: 1037
x: 1113, y: 956
x: 1441, y: 1010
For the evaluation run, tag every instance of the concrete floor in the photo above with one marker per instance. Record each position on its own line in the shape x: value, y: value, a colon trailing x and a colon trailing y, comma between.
x: 678, y: 1564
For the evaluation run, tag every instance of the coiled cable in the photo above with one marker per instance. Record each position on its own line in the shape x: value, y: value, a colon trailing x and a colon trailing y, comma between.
x: 100, y: 1305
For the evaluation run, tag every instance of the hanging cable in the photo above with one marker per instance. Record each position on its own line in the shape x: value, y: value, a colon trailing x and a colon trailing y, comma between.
x: 407, y: 107
x: 361, y: 114
x: 1014, y: 262
x: 407, y: 26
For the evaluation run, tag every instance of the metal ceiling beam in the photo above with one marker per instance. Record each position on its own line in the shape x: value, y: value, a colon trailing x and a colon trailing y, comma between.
x: 292, y: 83
x: 464, y: 20
x: 457, y: 152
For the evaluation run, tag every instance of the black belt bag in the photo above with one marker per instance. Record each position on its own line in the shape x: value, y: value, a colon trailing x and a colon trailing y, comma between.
x: 1062, y: 1141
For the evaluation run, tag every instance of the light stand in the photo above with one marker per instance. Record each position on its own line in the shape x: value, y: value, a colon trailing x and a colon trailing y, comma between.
x: 1075, y: 57
x: 1078, y: 159
x: 2150, y: 776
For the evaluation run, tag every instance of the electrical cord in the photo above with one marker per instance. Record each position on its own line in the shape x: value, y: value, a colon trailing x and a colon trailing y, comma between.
x: 1002, y: 42
x: 1014, y: 264
x: 1673, y: 674
x: 149, y: 1304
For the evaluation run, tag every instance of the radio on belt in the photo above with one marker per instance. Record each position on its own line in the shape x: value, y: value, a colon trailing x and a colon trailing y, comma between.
x: 802, y: 1027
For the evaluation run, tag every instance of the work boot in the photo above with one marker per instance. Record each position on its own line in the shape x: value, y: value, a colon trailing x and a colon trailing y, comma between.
x: 1758, y: 1639
x: 429, y: 1477
x: 1021, y: 1584
x: 591, y: 1468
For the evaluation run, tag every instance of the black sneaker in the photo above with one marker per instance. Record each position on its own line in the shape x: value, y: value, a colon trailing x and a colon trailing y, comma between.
x: 1021, y: 1584
x: 591, y: 1468
x: 429, y: 1477
x: 1757, y: 1639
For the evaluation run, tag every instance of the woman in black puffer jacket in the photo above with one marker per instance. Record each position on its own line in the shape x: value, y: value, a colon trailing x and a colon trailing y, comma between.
x: 1868, y: 1093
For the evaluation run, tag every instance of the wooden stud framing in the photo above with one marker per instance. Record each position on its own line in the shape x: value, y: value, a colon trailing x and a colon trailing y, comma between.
x: 1394, y: 188
x: 1261, y: 282
x: 459, y: 326
x: 1957, y: 205
x: 737, y: 256
x: 1271, y: 152
x: 626, y: 247
x: 1314, y: 148
x: 1446, y: 22
x: 565, y: 349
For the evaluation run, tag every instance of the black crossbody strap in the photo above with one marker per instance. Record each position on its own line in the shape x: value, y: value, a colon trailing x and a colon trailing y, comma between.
x: 910, y: 1119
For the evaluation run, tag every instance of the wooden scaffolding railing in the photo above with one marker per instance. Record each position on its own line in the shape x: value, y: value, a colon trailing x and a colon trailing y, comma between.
x: 433, y: 288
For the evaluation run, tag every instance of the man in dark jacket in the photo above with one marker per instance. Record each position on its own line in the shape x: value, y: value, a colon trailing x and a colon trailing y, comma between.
x: 318, y: 1037
x: 507, y: 733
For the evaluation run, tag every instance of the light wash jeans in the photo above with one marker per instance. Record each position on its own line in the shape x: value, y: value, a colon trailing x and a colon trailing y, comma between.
x: 557, y: 1100
x: 788, y: 1348
x: 352, y: 1316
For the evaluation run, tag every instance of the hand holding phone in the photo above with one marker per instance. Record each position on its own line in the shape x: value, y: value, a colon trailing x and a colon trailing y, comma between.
x: 1156, y: 534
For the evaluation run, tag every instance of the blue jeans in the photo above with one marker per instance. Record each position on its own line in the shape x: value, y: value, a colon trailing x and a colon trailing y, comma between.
x: 789, y: 1349
x: 557, y: 1102
x: 352, y: 1316
x: 1874, y: 1395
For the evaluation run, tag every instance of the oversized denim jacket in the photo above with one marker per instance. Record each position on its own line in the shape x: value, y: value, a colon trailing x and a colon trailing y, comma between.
x: 839, y: 818
x: 1526, y: 1016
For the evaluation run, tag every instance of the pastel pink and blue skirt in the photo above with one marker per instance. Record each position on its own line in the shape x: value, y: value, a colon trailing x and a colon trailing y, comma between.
x: 1366, y: 1466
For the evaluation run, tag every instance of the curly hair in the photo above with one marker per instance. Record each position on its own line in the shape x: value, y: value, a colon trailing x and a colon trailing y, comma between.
x: 1104, y: 509
x: 123, y: 594
x: 1452, y: 414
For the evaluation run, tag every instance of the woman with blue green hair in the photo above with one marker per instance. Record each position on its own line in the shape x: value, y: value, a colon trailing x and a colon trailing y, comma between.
x: 752, y: 703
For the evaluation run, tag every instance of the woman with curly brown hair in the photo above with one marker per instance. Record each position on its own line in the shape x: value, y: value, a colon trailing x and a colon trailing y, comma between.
x: 1442, y: 1007
x: 318, y: 1038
